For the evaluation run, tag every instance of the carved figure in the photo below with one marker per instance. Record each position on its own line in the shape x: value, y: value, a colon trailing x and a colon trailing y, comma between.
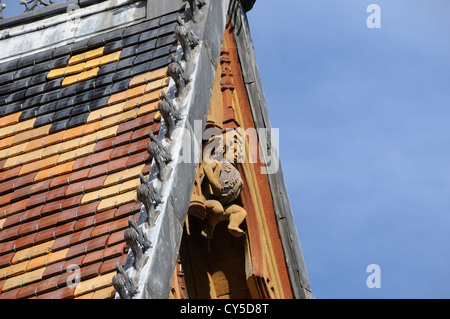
x: 170, y: 115
x: 138, y: 242
x: 188, y: 40
x: 123, y: 284
x: 221, y: 186
x: 161, y: 160
x: 176, y: 72
x: 150, y: 197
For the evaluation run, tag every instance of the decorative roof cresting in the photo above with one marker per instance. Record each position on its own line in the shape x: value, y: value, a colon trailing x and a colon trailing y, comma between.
x: 30, y: 5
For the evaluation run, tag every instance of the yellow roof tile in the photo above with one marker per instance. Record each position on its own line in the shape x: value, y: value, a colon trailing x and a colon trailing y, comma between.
x: 124, y: 175
x: 157, y: 85
x: 94, y: 284
x: 116, y: 201
x: 23, y: 159
x: 79, y: 77
x: 13, y: 151
x: 113, y: 57
x: 129, y: 186
x: 32, y: 252
x: 2, y: 221
x: 47, y: 260
x: 105, y: 293
x: 76, y: 153
x: 54, y: 171
x: 105, y: 112
x: 86, y: 56
x: 99, y: 135
x: 17, y: 128
x: 24, y: 279
x: 148, y: 77
x: 14, y: 270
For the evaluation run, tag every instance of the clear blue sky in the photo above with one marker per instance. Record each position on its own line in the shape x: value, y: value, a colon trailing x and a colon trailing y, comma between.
x: 364, y: 118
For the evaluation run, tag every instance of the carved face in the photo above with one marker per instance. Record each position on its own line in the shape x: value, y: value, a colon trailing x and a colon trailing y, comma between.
x: 228, y: 147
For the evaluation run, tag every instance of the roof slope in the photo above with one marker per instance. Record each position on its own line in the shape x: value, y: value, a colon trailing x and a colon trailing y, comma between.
x: 74, y: 128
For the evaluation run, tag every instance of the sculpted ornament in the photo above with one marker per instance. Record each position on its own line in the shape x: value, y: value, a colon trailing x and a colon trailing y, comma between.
x: 221, y: 185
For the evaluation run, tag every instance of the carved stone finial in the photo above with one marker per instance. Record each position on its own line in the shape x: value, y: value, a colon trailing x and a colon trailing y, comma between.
x: 161, y: 160
x: 123, y: 284
x: 34, y: 4
x: 138, y: 242
x: 195, y: 5
x: 150, y: 197
x: 176, y: 72
x: 188, y: 40
x: 170, y: 115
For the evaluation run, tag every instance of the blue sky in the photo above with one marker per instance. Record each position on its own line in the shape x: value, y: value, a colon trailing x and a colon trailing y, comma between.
x: 364, y: 118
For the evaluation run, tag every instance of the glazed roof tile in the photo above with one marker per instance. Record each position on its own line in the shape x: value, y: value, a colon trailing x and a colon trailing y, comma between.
x: 74, y: 126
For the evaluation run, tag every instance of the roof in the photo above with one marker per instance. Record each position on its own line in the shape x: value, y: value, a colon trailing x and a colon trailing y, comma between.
x: 74, y: 127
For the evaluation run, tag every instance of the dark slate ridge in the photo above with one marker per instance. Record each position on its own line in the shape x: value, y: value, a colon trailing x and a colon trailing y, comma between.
x: 24, y: 86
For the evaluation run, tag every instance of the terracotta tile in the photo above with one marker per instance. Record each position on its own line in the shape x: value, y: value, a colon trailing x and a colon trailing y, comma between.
x: 97, y: 158
x: 24, y: 242
x: 54, y: 171
x: 15, y: 208
x: 5, y: 261
x: 11, y: 294
x: 23, y: 279
x: 98, y: 170
x: 32, y: 134
x: 110, y: 264
x: 117, y: 165
x: 47, y: 260
x: 118, y: 119
x: 135, y: 92
x: 71, y: 202
x: 76, y: 154
x: 123, y: 175
x: 9, y: 174
x: 5, y: 200
x: 55, y: 232
x: 71, y: 240
x: 42, y: 164
x: 148, y: 77
x: 127, y: 210
x: 94, y: 284
x: 95, y: 257
x: 87, y: 210
x: 105, y: 293
x: 116, y: 201
x: 61, y: 293
x: 116, y: 238
x: 139, y: 158
x: 113, y: 142
x: 157, y: 85
x: 23, y: 159
x: 72, y: 133
x: 15, y: 270
x: 84, y: 223
x: 100, y: 194
x: 138, y: 123
x: 6, y: 142
x: 105, y: 112
x: 36, y: 200
x: 70, y: 145
x: 90, y: 271
x: 51, y: 150
x: 38, y: 288
x: 33, y: 252
x: 12, y: 151
x: 85, y: 186
x: 40, y: 187
x: 9, y: 233
x: 114, y: 251
x: 104, y: 217
x: 10, y: 119
x: 117, y: 98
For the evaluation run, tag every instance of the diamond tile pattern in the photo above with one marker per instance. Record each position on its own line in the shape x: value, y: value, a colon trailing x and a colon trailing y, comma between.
x: 74, y: 127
